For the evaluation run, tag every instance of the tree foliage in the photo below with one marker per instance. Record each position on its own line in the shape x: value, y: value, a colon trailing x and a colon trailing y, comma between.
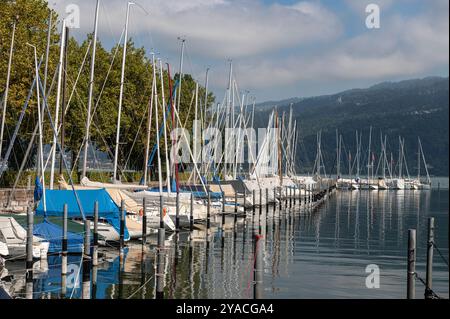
x: 31, y: 18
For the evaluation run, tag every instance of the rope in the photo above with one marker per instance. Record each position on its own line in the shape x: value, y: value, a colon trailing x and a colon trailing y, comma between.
x: 440, y: 253
x: 427, y: 290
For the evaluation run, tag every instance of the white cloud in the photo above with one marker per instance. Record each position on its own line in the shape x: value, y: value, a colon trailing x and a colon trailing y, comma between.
x: 402, y: 47
x: 276, y: 45
x: 220, y: 28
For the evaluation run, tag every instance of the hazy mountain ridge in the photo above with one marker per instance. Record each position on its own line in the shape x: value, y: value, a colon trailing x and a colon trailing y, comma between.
x: 411, y: 108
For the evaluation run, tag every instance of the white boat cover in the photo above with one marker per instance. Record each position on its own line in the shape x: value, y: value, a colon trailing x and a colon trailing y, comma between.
x: 86, y: 182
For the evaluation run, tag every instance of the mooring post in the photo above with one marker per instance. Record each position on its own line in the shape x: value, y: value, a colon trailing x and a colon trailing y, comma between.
x: 208, y: 212
x: 86, y: 294
x: 430, y: 247
x: 290, y: 197
x: 64, y: 242
x: 260, y: 201
x: 95, y: 241
x: 144, y: 221
x: 122, y: 228
x: 223, y: 203
x: 64, y: 254
x: 29, y: 248
x: 411, y: 284
x: 177, y: 216
x: 267, y: 202
x: 245, y: 200
x: 280, y: 199
x: 295, y: 196
x: 160, y: 257
x: 191, y: 214
x: 258, y: 268
x: 286, y: 197
x: 254, y: 202
x: 235, y: 207
x: 94, y: 282
x: 223, y: 215
x: 274, y: 200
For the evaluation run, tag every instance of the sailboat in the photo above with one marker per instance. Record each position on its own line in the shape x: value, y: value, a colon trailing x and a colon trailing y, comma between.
x: 418, y: 183
x: 13, y: 240
x: 369, y: 184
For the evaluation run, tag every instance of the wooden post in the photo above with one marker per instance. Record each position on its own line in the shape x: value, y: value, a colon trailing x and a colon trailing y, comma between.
x: 235, y: 208
x: 290, y: 197
x: 430, y: 247
x: 267, y: 202
x: 160, y: 257
x: 223, y: 214
x: 191, y: 216
x: 260, y: 201
x: 411, y: 284
x: 29, y: 247
x: 177, y: 215
x: 122, y: 228
x: 254, y: 202
x: 295, y: 197
x: 245, y: 200
x: 95, y: 242
x: 64, y: 254
x: 258, y: 268
x: 208, y: 212
x: 86, y: 294
x: 280, y: 198
x: 144, y: 221
x: 223, y: 203
x: 274, y: 200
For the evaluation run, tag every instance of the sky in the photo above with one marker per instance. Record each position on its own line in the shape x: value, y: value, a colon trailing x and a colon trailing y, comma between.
x: 281, y: 48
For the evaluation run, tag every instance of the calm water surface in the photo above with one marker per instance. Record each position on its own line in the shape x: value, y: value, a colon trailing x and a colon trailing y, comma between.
x: 317, y: 255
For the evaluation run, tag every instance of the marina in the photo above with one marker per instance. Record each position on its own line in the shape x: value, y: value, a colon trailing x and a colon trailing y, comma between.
x: 321, y: 253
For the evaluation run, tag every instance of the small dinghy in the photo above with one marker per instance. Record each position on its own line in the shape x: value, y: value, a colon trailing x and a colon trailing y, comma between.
x: 15, y: 238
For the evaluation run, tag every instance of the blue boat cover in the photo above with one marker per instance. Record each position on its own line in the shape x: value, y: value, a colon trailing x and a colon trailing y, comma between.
x: 107, y: 209
x: 53, y: 234
x: 38, y: 190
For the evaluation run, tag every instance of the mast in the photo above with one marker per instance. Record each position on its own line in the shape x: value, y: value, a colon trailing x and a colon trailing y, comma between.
x: 204, y: 118
x: 337, y: 154
x: 424, y: 162
x: 63, y: 109
x: 400, y: 158
x: 383, y: 155
x: 47, y: 52
x: 195, y: 128
x: 58, y: 101
x: 175, y: 106
x: 228, y: 109
x: 165, y: 126
x: 357, y: 154
x: 91, y: 91
x: 40, y: 127
x: 157, y: 136
x: 149, y: 123
x: 122, y: 79
x: 418, y: 159
x: 8, y: 76
x: 369, y: 157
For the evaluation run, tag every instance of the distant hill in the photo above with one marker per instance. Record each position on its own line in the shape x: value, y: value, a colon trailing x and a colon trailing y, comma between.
x: 410, y: 108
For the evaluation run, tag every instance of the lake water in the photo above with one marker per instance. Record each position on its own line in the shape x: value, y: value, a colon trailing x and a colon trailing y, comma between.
x: 323, y: 254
